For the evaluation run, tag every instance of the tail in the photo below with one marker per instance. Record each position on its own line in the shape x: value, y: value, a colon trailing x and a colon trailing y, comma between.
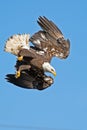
x: 16, y: 42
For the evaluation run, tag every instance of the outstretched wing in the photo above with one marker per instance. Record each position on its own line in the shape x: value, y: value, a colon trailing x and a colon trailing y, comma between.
x: 50, y: 27
x: 29, y: 81
x: 51, y: 39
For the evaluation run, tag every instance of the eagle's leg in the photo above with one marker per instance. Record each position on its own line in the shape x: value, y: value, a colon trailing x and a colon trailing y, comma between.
x: 21, y: 68
x: 20, y: 58
x: 18, y: 74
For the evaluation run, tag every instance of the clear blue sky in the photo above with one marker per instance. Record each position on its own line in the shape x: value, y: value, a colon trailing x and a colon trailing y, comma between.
x: 63, y: 106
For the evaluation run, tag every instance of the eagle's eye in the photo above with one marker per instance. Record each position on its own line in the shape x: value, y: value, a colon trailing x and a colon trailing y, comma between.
x: 52, y: 70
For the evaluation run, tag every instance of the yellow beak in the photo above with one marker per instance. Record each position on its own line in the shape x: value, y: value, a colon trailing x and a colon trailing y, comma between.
x: 54, y: 73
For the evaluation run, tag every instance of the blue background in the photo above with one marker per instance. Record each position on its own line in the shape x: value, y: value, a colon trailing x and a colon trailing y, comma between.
x: 63, y: 106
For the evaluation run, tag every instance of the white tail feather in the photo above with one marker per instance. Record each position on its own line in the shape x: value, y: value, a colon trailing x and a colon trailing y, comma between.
x: 16, y: 42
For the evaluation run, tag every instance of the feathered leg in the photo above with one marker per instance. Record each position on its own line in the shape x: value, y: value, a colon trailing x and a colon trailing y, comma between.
x: 21, y: 68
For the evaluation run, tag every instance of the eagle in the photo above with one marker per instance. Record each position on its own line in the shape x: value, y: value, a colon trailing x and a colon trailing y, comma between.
x: 33, y: 65
x: 34, y: 61
x: 32, y: 57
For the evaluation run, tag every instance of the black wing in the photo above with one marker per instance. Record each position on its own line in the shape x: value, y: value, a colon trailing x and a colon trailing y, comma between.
x: 29, y: 80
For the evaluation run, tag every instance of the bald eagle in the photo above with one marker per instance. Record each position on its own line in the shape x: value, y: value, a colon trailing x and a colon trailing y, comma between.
x: 30, y: 70
x: 17, y: 45
x: 33, y: 62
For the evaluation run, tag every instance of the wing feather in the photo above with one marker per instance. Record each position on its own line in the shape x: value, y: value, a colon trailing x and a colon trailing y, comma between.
x: 50, y: 27
x: 42, y: 40
x: 29, y: 81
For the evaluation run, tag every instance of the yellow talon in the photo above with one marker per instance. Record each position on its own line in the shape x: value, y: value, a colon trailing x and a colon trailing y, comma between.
x: 18, y: 73
x: 20, y: 58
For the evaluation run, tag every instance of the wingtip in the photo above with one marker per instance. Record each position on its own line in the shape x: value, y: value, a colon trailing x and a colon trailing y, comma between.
x: 42, y: 18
